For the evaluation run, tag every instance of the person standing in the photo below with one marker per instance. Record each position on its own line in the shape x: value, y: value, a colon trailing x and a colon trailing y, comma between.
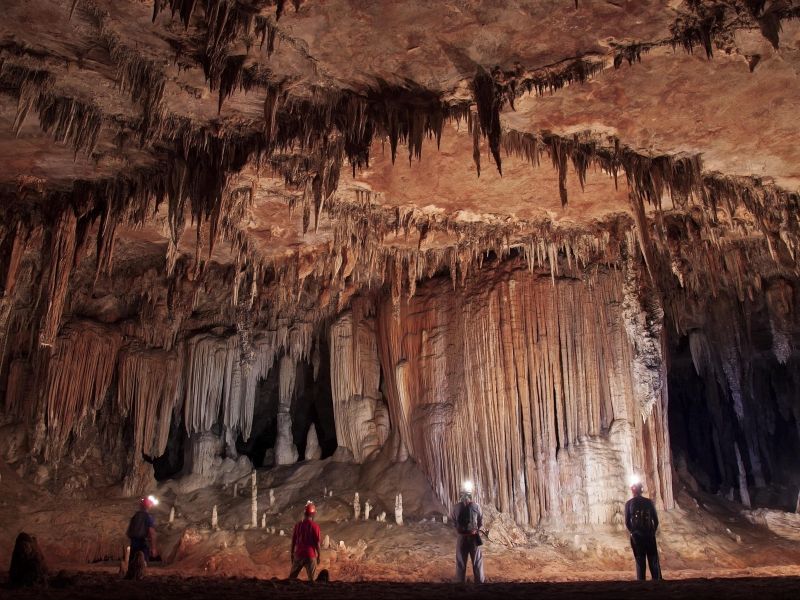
x: 641, y: 520
x: 305, y: 544
x: 142, y: 530
x: 468, y: 520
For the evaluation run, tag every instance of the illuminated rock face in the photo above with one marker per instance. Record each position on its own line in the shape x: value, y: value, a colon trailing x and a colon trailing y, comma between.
x: 210, y: 254
x: 530, y: 390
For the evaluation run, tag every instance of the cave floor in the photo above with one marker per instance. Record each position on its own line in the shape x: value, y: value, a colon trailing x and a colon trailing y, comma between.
x: 105, y: 585
x: 707, y: 546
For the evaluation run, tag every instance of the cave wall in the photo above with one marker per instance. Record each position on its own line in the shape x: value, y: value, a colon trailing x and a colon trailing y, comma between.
x: 360, y: 412
x: 528, y: 386
x: 735, y: 389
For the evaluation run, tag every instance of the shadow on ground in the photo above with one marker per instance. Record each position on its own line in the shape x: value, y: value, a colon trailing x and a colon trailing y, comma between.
x: 103, y: 586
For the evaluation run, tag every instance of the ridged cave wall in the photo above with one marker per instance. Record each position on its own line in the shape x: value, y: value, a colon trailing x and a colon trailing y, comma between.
x: 527, y: 386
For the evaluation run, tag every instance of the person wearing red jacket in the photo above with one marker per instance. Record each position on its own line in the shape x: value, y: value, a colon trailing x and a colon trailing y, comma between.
x: 305, y: 544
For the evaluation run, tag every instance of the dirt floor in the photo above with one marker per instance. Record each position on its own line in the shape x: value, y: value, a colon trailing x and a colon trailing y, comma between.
x: 102, y: 586
x: 708, y: 546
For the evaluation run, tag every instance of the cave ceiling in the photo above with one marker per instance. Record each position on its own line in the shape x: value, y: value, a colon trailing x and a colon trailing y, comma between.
x: 266, y: 131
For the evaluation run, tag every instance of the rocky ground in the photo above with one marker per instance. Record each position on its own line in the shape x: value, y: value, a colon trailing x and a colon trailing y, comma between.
x: 707, y: 544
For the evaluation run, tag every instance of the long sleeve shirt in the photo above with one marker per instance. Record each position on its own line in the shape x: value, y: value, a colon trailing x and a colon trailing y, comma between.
x: 641, y: 515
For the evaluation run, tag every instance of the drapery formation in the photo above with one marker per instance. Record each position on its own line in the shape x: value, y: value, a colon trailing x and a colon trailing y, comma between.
x: 361, y: 416
x: 529, y: 389
x: 208, y: 379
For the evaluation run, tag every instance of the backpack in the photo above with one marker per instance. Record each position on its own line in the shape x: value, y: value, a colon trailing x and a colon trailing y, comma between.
x: 642, y: 517
x: 467, y: 518
x: 139, y: 525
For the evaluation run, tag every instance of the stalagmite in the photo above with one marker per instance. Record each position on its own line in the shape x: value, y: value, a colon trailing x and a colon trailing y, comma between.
x: 172, y: 514
x: 236, y: 490
x: 313, y: 450
x: 254, y: 500
x: 326, y: 542
x: 398, y: 509
x: 381, y: 518
x: 214, y: 521
x: 272, y: 497
x: 285, y: 450
x: 264, y: 521
x: 367, y: 509
x: 356, y: 507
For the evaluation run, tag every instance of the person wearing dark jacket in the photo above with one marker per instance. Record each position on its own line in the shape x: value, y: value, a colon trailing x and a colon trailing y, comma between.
x: 468, y: 520
x: 641, y: 520
x: 142, y: 530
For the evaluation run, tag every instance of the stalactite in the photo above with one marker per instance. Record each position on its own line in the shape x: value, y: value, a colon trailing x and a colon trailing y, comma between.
x: 521, y: 397
x: 355, y: 384
x: 643, y: 319
x: 79, y: 372
x: 488, y: 99
x: 148, y: 388
x: 61, y: 259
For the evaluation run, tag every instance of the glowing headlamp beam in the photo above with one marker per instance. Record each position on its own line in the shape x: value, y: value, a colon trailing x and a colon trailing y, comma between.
x: 467, y: 487
x: 153, y: 500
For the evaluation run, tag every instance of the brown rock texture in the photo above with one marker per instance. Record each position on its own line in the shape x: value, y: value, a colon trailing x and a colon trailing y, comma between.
x: 540, y: 245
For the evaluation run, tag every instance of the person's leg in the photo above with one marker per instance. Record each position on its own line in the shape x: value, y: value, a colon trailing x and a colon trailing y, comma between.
x: 311, y: 568
x: 140, y: 545
x: 640, y: 557
x: 652, y: 559
x: 461, y: 560
x: 297, y: 565
x: 477, y: 564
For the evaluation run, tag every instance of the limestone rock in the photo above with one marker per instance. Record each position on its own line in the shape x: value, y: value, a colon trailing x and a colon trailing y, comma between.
x: 313, y: 450
x: 28, y: 566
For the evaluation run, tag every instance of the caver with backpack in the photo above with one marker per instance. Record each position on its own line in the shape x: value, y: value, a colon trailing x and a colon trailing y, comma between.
x: 468, y: 520
x: 141, y: 530
x: 641, y: 521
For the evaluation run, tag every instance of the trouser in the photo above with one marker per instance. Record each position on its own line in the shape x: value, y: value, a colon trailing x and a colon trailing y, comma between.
x: 645, y: 549
x: 140, y: 545
x: 467, y: 546
x: 310, y: 565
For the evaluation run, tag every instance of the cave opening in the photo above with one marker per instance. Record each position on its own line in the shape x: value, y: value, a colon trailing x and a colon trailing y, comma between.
x: 735, y: 436
x: 311, y: 406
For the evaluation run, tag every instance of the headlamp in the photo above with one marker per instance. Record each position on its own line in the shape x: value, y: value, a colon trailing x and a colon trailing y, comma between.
x: 153, y: 500
x: 634, y: 480
x: 467, y: 487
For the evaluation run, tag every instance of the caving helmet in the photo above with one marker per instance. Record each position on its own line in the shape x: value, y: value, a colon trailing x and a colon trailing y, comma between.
x: 636, y: 485
x: 310, y: 509
x: 466, y: 490
x: 148, y: 502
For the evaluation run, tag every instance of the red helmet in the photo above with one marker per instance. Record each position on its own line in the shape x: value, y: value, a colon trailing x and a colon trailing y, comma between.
x: 148, y: 502
x: 310, y: 509
x: 637, y: 488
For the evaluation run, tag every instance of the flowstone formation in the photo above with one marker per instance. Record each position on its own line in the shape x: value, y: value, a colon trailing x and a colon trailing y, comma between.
x: 540, y: 245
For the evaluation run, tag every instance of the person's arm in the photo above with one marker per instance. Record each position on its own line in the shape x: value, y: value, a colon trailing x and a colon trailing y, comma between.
x: 655, y: 517
x: 316, y: 545
x: 480, y: 517
x: 628, y: 515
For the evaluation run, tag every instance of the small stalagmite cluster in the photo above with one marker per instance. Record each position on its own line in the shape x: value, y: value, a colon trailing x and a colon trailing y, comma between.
x: 212, y: 260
